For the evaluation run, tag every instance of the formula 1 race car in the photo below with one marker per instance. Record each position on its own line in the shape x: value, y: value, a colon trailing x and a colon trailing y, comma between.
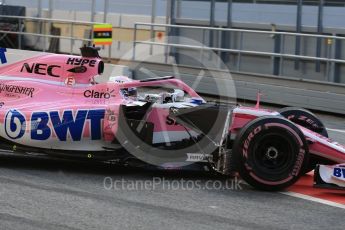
x: 52, y: 106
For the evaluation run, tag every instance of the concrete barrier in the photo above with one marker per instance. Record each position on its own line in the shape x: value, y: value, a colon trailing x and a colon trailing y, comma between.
x: 314, y: 95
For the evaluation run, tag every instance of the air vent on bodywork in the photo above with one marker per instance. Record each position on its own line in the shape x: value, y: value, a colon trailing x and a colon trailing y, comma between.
x: 78, y: 69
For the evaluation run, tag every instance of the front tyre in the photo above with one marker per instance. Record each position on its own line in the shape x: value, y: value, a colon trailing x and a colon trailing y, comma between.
x: 304, y: 118
x: 270, y: 153
x: 310, y: 121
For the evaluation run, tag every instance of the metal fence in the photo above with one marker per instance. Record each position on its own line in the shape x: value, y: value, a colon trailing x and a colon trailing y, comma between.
x: 277, y: 57
x: 135, y: 7
x: 42, y: 32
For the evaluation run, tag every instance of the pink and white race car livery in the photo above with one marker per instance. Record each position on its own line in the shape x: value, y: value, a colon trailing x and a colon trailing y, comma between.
x: 52, y: 106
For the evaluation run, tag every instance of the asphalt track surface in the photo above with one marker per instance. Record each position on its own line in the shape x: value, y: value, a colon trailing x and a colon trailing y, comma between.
x: 47, y: 194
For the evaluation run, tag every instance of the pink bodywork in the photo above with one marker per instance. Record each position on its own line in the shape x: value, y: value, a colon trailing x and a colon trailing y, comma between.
x: 44, y: 84
x: 47, y: 84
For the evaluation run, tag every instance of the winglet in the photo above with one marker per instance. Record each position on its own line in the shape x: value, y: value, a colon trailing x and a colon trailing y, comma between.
x: 258, y: 96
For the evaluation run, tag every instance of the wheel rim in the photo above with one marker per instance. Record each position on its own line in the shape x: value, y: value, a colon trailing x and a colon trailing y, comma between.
x: 273, y: 155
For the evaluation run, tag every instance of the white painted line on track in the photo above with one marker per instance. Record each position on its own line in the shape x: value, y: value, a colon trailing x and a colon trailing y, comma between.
x: 337, y: 130
x: 314, y: 199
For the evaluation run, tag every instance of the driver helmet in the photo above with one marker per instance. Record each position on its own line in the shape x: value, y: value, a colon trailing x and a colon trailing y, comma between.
x: 128, y: 92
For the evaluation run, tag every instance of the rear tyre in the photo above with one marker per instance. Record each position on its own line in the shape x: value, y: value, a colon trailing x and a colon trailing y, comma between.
x: 308, y: 120
x: 270, y: 153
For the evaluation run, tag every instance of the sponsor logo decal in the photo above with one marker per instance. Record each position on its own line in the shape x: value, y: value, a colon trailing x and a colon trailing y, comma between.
x: 171, y: 121
x: 96, y: 94
x: 15, y: 124
x: 66, y: 126
x: 15, y: 89
x: 308, y: 121
x: 81, y: 62
x: 41, y: 69
x: 299, y: 162
x: 339, y: 173
x: 249, y: 139
x: 197, y: 157
x: 70, y: 81
x: 3, y: 58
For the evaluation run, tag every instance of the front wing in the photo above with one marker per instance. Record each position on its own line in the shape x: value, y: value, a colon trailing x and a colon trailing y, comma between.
x: 330, y: 176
